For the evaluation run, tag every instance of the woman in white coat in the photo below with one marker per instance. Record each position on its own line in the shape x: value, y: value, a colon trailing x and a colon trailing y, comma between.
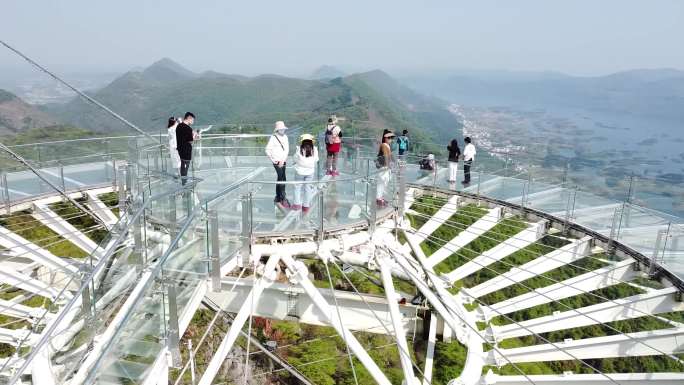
x: 173, y: 147
x: 306, y: 159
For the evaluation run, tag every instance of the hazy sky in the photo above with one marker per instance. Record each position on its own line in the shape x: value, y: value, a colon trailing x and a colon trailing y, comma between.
x: 583, y: 37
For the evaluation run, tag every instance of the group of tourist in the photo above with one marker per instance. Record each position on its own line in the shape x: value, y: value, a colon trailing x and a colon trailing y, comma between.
x: 468, y: 156
x: 181, y: 135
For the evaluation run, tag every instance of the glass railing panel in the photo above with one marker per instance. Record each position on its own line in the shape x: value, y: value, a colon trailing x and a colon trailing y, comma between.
x: 672, y: 254
x: 344, y: 202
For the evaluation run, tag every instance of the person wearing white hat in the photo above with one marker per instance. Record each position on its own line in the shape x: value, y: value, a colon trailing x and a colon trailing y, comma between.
x: 306, y: 158
x: 277, y: 150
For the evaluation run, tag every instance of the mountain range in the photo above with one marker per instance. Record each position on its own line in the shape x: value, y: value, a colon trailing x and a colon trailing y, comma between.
x: 372, y: 100
x: 657, y: 93
x: 16, y: 115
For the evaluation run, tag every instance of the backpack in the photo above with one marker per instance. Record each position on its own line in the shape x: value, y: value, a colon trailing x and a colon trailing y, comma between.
x: 403, y: 143
x: 380, y: 159
x: 329, y: 137
x: 425, y: 164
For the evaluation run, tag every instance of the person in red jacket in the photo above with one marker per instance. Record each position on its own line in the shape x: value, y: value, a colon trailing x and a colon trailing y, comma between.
x: 333, y: 143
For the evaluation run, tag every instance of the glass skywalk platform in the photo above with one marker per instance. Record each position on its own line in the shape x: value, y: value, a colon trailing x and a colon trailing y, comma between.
x: 118, y: 316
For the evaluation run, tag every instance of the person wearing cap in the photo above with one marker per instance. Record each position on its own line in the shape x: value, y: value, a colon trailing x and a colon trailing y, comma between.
x: 277, y: 150
x: 383, y: 162
x: 306, y: 158
x: 333, y: 144
x: 468, y: 158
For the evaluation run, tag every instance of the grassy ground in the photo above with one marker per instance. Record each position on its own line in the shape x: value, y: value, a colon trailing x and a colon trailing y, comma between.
x: 544, y: 246
x: 362, y: 283
x: 80, y: 220
x: 464, y: 217
x: 427, y: 205
x: 318, y: 352
x: 549, y: 278
x: 497, y: 234
x: 7, y: 293
x: 111, y: 200
x: 621, y: 290
x: 23, y: 224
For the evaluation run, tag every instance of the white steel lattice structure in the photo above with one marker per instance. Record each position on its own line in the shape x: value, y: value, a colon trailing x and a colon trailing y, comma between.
x: 107, y: 281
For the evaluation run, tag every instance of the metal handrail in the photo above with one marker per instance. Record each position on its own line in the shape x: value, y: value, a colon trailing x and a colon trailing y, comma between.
x: 47, y: 334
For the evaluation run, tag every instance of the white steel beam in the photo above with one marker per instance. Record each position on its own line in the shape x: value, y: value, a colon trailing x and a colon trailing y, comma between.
x: 30, y: 250
x: 587, y: 379
x: 301, y: 272
x: 32, y: 285
x: 652, y: 303
x: 430, y: 354
x: 100, y: 209
x: 466, y: 236
x: 17, y: 310
x: 466, y: 326
x: 443, y: 214
x: 64, y: 229
x: 669, y: 341
x: 589, y: 281
x: 14, y: 336
x: 569, y: 253
x: 235, y: 328
x: 517, y: 242
x: 397, y: 322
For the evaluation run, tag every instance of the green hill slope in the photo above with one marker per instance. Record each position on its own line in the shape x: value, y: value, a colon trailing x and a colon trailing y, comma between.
x: 372, y: 100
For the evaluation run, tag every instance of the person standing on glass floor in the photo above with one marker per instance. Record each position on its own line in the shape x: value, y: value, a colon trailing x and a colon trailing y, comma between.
x: 306, y: 158
x: 468, y: 158
x: 277, y: 150
x: 454, y: 155
x: 333, y: 144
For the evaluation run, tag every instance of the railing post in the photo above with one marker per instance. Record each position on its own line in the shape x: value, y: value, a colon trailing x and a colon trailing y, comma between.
x: 172, y: 215
x: 615, y: 229
x: 627, y: 209
x: 138, y: 244
x: 86, y: 300
x: 115, y: 177
x: 61, y: 178
x: 191, y: 357
x: 401, y: 175
x: 373, y: 209
x: 434, y: 180
x: 661, y: 242
x: 246, y: 249
x: 215, y: 257
x: 5, y: 191
x: 173, y: 330
x: 121, y: 171
x: 479, y: 182
x: 320, y: 232
x: 569, y: 209
x: 130, y: 178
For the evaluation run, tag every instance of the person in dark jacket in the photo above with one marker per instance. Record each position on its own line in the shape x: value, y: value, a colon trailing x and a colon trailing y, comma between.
x: 454, y: 155
x: 185, y: 135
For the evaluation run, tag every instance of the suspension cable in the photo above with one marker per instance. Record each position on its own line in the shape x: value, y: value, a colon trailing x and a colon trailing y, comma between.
x: 339, y: 316
x: 76, y: 90
x: 413, y: 277
x: 384, y: 326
